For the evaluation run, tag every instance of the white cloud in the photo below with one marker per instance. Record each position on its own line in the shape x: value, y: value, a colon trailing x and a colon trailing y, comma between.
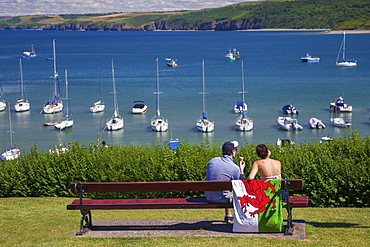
x: 32, y: 7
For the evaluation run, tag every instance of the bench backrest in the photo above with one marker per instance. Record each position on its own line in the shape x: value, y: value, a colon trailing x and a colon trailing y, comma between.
x: 166, y: 186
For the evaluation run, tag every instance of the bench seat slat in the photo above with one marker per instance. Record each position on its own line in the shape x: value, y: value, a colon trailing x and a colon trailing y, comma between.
x: 163, y: 203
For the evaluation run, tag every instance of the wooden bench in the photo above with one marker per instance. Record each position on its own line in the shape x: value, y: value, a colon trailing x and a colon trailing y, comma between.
x: 86, y: 205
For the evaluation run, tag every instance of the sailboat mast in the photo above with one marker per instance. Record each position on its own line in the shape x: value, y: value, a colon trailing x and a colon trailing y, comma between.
x: 204, y: 87
x: 66, y: 75
x: 10, y: 129
x: 116, y: 113
x: 158, y: 114
x: 56, y: 84
x: 344, y: 45
x: 242, y: 62
x: 21, y: 75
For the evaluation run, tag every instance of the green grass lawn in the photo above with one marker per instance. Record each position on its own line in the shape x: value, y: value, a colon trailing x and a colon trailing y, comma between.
x: 46, y: 222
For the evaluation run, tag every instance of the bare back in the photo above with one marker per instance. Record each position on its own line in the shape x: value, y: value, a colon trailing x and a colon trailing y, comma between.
x: 266, y: 167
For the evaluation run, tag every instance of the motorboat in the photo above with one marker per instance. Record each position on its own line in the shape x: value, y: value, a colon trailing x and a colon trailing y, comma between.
x: 22, y: 104
x: 98, y: 105
x: 240, y: 106
x: 28, y: 54
x: 338, y: 105
x: 326, y: 139
x: 310, y: 59
x: 232, y: 55
x: 203, y: 123
x: 172, y: 62
x: 12, y: 152
x: 340, y: 122
x: 316, y: 123
x: 342, y: 50
x: 243, y: 123
x: 290, y: 109
x: 139, y: 107
x: 55, y: 104
x: 66, y: 120
x: 158, y: 123
x: 116, y: 122
x: 288, y: 123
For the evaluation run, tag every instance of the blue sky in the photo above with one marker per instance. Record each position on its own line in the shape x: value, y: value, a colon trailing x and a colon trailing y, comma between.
x: 34, y: 7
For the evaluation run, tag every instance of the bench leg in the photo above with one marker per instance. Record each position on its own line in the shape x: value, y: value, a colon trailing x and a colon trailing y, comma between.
x: 86, y: 218
x: 289, y: 229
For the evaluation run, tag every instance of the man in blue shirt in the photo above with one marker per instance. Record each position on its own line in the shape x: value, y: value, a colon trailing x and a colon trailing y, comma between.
x: 224, y: 168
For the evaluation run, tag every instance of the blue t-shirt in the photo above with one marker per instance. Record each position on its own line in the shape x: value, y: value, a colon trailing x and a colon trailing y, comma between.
x: 221, y: 168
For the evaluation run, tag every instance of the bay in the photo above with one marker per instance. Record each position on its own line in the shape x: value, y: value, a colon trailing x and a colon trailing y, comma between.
x: 274, y: 77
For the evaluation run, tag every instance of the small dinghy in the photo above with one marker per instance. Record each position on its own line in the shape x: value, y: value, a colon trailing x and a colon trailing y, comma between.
x: 316, y: 123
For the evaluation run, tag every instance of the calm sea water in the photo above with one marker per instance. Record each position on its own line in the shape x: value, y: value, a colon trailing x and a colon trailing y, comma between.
x: 274, y: 77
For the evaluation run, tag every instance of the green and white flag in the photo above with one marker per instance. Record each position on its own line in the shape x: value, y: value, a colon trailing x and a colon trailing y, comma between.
x: 257, y: 205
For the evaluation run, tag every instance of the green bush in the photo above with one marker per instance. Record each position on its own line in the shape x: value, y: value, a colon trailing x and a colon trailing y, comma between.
x: 335, y: 175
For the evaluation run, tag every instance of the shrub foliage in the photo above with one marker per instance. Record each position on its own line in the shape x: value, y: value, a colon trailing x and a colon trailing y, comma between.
x: 335, y: 175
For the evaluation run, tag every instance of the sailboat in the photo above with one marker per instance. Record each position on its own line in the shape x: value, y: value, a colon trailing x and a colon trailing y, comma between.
x: 55, y: 105
x: 98, y: 105
x: 243, y: 123
x: 338, y: 121
x: 2, y: 100
x: 116, y: 121
x: 22, y: 104
x: 12, y: 152
x: 158, y: 123
x: 66, y: 121
x: 203, y: 123
x: 344, y: 62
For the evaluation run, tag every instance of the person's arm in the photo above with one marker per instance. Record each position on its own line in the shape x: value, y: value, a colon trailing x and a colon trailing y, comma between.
x: 242, y: 167
x: 253, y: 172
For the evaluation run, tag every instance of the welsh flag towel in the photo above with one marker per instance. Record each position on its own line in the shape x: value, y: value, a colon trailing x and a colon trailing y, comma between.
x: 257, y: 205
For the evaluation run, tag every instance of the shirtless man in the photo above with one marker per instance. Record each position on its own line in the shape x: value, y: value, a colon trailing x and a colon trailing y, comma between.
x: 267, y: 167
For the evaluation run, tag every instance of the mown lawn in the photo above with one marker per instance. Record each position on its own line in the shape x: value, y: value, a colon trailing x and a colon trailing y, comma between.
x: 46, y: 222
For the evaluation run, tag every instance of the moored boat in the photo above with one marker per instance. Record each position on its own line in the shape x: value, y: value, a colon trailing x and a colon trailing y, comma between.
x: 55, y: 104
x: 340, y: 122
x: 232, y: 55
x: 2, y: 100
x: 116, y: 122
x: 290, y: 109
x: 22, y: 104
x: 66, y: 120
x: 28, y: 54
x: 316, y: 123
x: 310, y: 59
x: 338, y: 105
x: 12, y: 152
x: 288, y: 123
x: 172, y: 62
x: 342, y: 50
x: 139, y: 107
x: 203, y: 123
x: 158, y: 123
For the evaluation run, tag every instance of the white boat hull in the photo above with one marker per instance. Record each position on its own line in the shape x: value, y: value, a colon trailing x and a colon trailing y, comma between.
x: 346, y: 64
x: 11, y: 154
x: 139, y: 109
x: 244, y: 124
x: 64, y: 125
x: 2, y: 106
x: 22, y: 106
x: 288, y: 123
x: 115, y: 124
x: 340, y: 122
x: 316, y: 123
x: 159, y: 124
x: 205, y: 125
x: 53, y: 108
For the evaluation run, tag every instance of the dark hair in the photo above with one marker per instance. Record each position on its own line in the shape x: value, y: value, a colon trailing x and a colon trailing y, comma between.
x: 262, y: 151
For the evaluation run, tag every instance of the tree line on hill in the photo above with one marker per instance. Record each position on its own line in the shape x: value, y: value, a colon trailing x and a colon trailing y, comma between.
x: 268, y: 14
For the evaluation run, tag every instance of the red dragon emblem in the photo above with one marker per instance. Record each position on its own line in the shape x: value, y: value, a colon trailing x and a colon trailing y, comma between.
x: 257, y: 189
